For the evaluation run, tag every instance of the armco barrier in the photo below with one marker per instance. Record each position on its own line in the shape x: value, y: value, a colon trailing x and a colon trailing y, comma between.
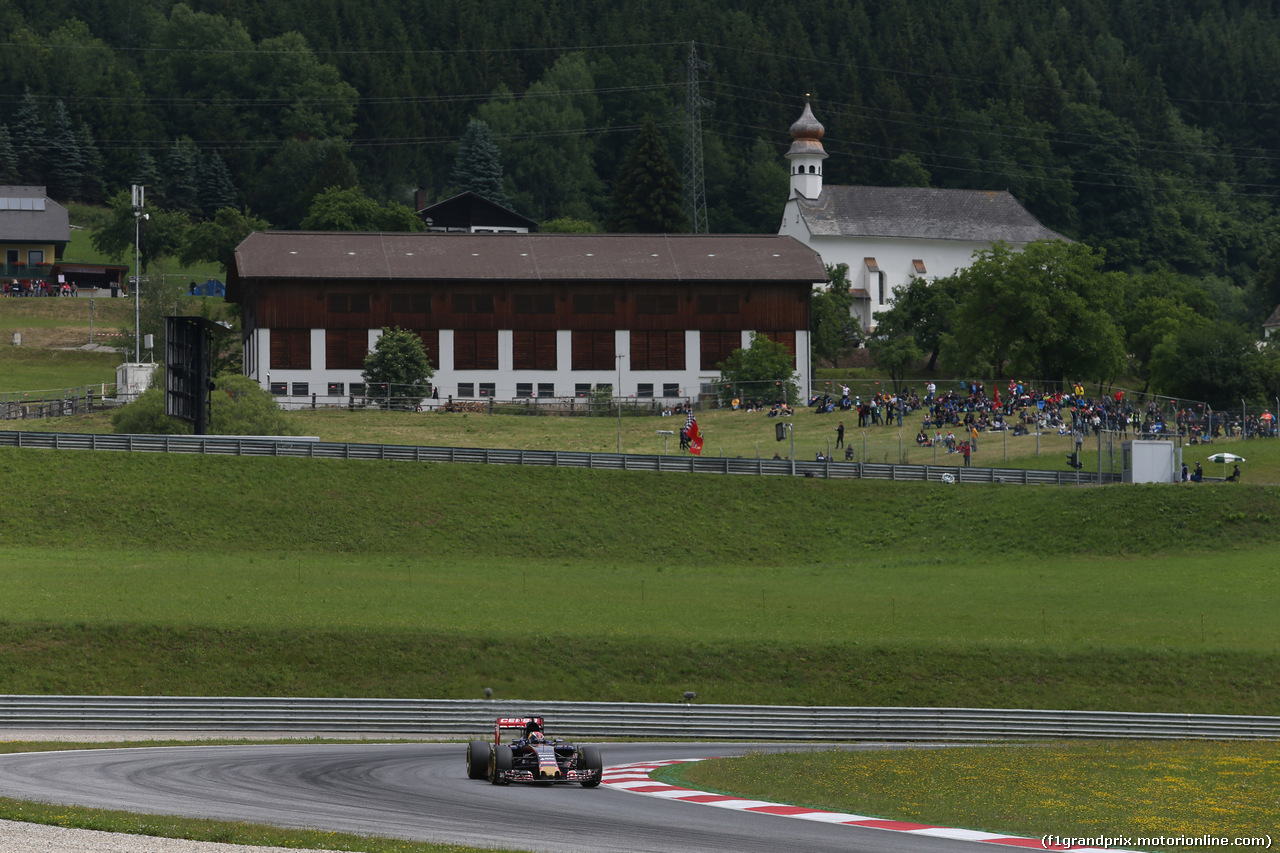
x: 231, y: 446
x: 603, y: 720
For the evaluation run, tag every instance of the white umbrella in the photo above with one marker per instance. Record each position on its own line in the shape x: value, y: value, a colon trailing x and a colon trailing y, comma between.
x: 1225, y: 458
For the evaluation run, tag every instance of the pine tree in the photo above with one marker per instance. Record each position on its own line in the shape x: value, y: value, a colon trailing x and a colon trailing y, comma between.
x: 217, y: 189
x: 29, y: 141
x: 334, y: 172
x: 144, y: 172
x: 647, y: 195
x: 181, y: 185
x: 8, y: 158
x: 478, y: 166
x: 65, y: 162
x: 93, y: 188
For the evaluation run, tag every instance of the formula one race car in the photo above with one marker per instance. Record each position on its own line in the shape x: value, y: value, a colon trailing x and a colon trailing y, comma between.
x: 532, y: 757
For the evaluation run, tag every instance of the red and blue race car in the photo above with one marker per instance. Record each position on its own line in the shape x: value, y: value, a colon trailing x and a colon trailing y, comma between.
x: 531, y: 757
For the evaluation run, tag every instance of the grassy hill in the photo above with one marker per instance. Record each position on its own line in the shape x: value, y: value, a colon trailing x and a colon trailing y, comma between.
x: 195, y: 575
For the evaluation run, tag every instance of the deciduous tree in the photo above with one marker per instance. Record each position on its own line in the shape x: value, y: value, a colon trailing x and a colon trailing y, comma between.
x: 216, y: 239
x: 1046, y: 311
x: 834, y: 331
x: 766, y: 369
x: 399, y: 361
x: 338, y: 209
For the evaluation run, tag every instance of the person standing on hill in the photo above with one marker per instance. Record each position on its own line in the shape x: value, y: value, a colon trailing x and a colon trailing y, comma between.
x: 840, y: 435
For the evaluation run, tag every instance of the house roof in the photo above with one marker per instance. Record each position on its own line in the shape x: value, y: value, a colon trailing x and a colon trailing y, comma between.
x: 28, y: 216
x: 1274, y: 320
x: 468, y: 209
x: 921, y: 213
x: 433, y: 256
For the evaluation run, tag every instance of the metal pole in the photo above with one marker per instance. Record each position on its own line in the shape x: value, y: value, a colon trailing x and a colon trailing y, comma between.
x: 619, y: 358
x: 139, y: 201
x: 791, y: 432
x: 1099, y: 455
x: 137, y: 286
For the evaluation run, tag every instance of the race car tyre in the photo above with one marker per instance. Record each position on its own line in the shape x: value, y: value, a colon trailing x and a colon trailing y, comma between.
x: 590, y: 759
x: 478, y: 759
x: 499, y: 762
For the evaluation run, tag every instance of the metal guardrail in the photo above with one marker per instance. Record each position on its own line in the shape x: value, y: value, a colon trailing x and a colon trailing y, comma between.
x: 474, y: 718
x: 232, y: 446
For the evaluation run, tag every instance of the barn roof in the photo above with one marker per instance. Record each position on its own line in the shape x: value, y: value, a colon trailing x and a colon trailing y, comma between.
x: 921, y: 213
x: 427, y: 256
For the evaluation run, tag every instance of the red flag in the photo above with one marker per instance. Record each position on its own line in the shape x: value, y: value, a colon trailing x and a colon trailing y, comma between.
x: 695, y: 437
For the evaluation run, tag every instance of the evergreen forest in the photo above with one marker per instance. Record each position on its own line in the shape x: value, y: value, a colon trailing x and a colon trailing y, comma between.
x: 1144, y: 128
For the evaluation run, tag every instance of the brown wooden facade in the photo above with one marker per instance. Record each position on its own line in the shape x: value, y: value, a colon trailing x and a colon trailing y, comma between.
x: 549, y: 325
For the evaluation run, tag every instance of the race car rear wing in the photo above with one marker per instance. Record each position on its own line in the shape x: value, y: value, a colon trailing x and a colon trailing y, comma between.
x: 512, y: 723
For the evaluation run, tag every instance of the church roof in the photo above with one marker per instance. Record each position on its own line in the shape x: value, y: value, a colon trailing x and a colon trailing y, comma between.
x: 921, y: 213
x: 807, y: 133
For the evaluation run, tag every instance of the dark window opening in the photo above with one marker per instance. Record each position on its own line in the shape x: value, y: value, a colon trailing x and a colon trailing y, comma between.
x: 535, y: 303
x: 710, y: 304
x: 656, y: 304
x: 594, y: 303
x: 473, y: 303
x: 410, y: 303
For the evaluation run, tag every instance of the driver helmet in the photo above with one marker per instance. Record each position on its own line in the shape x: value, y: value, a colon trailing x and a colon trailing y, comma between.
x: 537, y: 737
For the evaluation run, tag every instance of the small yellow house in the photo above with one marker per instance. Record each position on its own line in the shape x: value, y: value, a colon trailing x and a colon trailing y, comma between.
x: 34, y: 232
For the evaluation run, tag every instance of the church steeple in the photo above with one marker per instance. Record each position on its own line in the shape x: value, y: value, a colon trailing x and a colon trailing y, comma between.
x: 806, y: 155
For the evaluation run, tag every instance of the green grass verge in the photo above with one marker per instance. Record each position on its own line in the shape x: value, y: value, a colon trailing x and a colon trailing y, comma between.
x: 1133, y: 789
x: 29, y: 371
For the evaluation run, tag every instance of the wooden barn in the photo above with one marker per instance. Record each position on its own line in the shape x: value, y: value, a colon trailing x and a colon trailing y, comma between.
x: 507, y: 316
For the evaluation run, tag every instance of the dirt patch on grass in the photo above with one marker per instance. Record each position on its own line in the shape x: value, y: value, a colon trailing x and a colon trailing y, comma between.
x: 62, y: 337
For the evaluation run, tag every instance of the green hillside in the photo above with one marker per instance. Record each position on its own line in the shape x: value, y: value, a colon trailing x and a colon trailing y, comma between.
x: 196, y: 575
x: 1073, y: 107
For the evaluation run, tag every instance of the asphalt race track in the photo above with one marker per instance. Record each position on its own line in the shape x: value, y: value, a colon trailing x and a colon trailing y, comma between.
x: 421, y: 792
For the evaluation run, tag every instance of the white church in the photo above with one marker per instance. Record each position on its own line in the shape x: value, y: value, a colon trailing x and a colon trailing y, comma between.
x: 889, y: 235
